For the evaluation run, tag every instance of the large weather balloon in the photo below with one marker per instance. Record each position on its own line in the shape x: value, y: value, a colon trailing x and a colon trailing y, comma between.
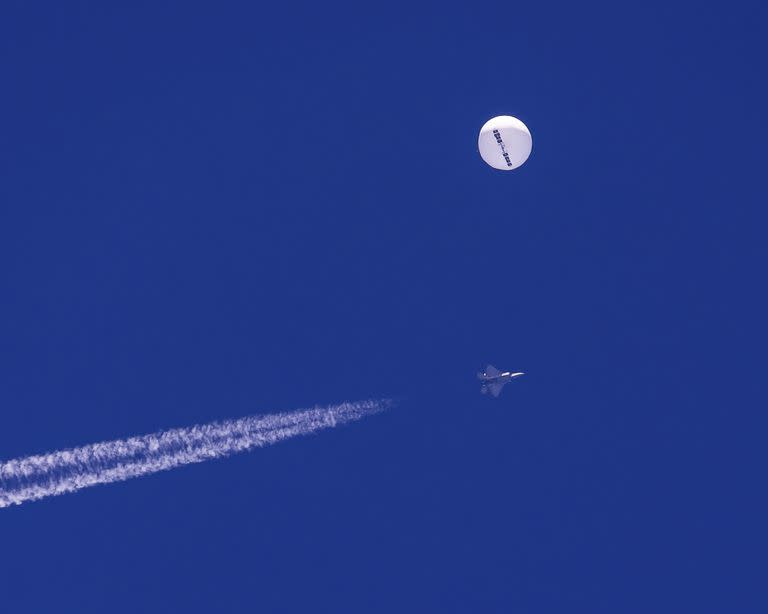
x: 504, y: 142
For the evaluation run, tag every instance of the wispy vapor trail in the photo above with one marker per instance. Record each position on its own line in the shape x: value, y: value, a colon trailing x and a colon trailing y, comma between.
x: 56, y: 473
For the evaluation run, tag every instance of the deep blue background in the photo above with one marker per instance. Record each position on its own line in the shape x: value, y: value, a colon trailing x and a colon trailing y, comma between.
x: 215, y: 210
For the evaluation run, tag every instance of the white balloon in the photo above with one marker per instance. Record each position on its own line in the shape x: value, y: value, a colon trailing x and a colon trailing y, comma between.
x: 504, y: 142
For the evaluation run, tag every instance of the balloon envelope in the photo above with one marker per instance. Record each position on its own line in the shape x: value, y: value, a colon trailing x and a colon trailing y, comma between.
x: 504, y: 142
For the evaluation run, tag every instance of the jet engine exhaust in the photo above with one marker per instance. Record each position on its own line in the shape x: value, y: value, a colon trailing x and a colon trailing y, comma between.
x: 65, y: 471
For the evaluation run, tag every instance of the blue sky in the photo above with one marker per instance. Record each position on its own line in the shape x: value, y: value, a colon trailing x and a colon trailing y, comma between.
x: 216, y: 210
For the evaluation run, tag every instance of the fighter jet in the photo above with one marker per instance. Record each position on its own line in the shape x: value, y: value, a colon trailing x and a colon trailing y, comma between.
x: 494, y: 380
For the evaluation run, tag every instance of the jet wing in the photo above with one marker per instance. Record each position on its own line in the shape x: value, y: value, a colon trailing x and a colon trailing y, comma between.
x: 492, y: 371
x: 494, y: 388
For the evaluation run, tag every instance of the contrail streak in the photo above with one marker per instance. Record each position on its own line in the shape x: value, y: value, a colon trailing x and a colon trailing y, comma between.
x: 56, y: 473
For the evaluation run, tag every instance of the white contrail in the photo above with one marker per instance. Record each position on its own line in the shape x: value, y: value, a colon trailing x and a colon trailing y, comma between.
x: 56, y: 473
